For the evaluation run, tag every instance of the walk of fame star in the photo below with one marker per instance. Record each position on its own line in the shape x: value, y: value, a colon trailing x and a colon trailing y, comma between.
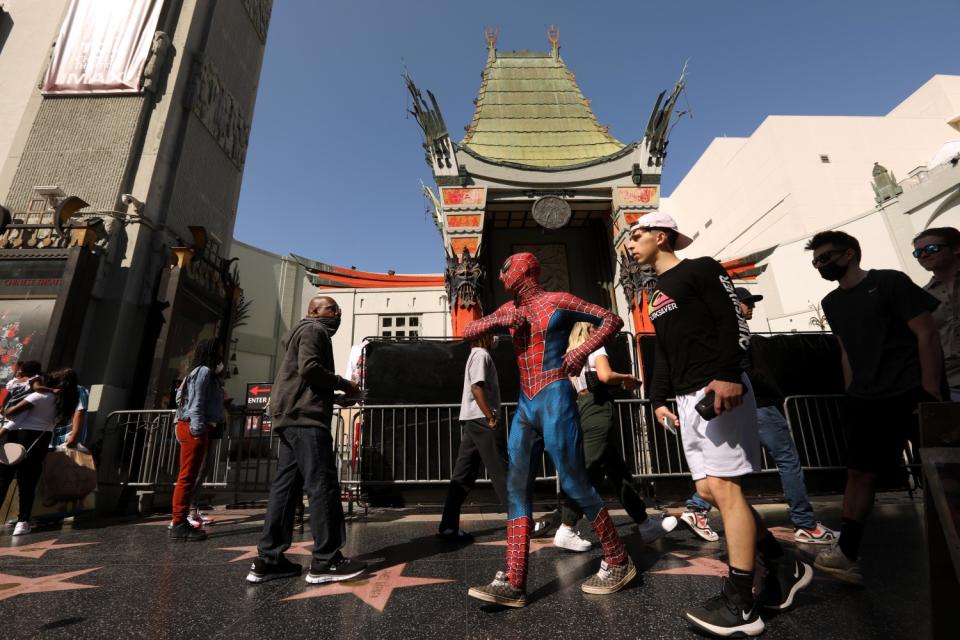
x: 11, y: 585
x: 36, y: 550
x: 697, y: 566
x: 248, y: 553
x: 374, y: 589
x: 784, y: 534
x: 217, y: 519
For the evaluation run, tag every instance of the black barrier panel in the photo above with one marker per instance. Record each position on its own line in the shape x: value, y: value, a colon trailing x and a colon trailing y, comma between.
x: 431, y: 371
x: 798, y: 363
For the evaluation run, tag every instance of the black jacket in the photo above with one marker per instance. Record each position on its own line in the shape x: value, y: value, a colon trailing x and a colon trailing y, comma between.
x: 303, y: 388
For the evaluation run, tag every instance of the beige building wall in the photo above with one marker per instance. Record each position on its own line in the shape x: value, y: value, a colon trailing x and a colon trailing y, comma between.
x: 775, y: 189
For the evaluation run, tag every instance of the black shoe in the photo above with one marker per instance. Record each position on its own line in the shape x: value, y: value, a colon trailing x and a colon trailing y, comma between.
x: 455, y: 535
x: 262, y: 571
x: 546, y: 525
x: 500, y: 591
x: 336, y: 570
x: 783, y: 581
x: 183, y: 532
x: 725, y: 615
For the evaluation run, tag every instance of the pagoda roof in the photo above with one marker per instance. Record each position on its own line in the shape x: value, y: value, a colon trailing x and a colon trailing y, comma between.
x: 531, y: 113
x: 326, y: 276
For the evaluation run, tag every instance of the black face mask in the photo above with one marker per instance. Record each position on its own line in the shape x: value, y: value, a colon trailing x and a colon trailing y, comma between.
x: 331, y: 324
x: 833, y: 271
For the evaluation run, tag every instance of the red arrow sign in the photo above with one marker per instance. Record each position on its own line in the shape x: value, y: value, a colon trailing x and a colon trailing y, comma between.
x: 255, y: 391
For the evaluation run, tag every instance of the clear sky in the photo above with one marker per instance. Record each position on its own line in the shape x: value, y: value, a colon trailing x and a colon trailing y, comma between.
x: 334, y: 164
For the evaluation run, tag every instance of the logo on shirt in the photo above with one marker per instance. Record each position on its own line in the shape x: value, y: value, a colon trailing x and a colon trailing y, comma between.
x: 742, y: 326
x: 660, y: 304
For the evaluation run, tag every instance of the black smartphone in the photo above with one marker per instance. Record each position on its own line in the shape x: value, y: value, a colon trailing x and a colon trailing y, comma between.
x: 705, y: 406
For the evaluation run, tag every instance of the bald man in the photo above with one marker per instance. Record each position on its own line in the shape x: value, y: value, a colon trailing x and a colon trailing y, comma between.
x: 301, y: 407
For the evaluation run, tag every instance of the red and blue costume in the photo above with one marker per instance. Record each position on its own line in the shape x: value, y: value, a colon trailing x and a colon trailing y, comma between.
x: 546, y: 415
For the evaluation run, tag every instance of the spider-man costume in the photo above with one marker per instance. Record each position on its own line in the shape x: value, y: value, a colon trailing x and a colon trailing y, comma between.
x: 546, y: 415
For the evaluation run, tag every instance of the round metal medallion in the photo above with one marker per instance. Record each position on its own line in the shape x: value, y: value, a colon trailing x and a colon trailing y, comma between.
x: 551, y: 212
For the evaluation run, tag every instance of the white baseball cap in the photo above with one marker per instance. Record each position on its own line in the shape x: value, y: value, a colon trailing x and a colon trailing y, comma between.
x: 657, y: 220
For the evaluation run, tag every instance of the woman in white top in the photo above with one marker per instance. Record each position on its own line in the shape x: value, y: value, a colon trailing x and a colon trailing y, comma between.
x: 30, y: 423
x: 601, y: 446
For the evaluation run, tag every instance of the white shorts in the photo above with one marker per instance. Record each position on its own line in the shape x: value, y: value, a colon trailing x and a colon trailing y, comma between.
x: 727, y: 446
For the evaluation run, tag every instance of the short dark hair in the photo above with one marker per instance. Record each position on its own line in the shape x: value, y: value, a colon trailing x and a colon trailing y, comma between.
x: 30, y: 368
x: 839, y: 239
x: 672, y: 235
x: 947, y: 235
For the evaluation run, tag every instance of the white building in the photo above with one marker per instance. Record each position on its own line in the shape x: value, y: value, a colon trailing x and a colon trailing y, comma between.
x: 279, y: 289
x: 797, y: 175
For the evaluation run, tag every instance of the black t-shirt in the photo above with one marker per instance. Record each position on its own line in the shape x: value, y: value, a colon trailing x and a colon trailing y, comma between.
x: 871, y: 321
x: 701, y: 334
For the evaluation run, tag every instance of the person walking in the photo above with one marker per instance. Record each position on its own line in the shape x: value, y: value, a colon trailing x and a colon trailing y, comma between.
x: 891, y: 359
x: 199, y: 408
x: 600, y: 447
x: 938, y: 250
x: 483, y: 439
x: 701, y: 344
x: 30, y: 423
x: 301, y: 406
x: 775, y: 437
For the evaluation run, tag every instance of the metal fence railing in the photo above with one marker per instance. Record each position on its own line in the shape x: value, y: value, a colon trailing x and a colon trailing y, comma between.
x: 416, y: 445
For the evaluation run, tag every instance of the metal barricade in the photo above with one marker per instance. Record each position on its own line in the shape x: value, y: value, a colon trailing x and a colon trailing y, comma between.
x: 815, y: 422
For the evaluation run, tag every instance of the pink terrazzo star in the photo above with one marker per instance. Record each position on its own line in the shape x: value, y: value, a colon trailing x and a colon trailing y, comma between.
x: 375, y: 589
x: 36, y: 550
x: 537, y: 544
x: 11, y: 585
x: 248, y: 553
x: 697, y: 566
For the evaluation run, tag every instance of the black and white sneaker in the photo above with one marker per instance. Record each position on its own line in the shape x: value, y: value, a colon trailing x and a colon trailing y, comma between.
x: 262, y: 571
x: 183, y: 532
x: 726, y: 616
x: 501, y: 592
x: 782, y: 583
x: 545, y: 525
x: 337, y: 570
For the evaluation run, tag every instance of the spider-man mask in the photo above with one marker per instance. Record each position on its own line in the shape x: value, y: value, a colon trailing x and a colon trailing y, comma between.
x: 520, y: 271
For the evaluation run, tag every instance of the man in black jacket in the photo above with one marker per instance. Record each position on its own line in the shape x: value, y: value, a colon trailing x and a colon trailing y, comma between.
x: 301, y: 406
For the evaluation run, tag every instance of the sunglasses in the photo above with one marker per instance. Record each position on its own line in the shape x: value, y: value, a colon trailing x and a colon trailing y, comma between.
x: 826, y: 257
x: 927, y: 250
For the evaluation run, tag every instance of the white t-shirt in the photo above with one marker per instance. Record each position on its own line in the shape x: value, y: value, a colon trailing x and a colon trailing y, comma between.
x: 42, y: 416
x: 480, y: 368
x: 580, y: 382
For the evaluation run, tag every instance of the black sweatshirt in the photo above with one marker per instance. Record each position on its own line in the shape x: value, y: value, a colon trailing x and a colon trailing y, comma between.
x: 303, y: 388
x: 701, y: 334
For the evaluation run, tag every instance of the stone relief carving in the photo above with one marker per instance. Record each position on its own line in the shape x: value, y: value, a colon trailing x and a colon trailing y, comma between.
x: 259, y: 12
x: 464, y: 279
x: 155, y: 61
x: 219, y: 111
x: 635, y: 277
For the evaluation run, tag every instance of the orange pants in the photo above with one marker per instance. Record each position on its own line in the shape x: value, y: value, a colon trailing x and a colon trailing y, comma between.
x: 193, y: 450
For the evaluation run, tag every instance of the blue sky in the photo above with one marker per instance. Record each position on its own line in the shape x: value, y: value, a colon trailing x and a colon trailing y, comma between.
x: 334, y: 164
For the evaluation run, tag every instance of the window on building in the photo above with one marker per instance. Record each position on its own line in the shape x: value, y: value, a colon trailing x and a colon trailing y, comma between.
x: 825, y: 159
x: 400, y: 326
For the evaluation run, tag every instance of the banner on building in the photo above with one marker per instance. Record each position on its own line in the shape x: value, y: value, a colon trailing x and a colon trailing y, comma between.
x: 102, y: 47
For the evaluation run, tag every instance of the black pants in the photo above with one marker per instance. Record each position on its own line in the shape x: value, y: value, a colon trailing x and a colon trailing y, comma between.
x: 306, y: 461
x: 478, y: 443
x: 28, y: 471
x: 603, y: 458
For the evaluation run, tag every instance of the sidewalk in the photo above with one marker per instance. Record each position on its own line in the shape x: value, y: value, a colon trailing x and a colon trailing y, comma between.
x: 112, y: 580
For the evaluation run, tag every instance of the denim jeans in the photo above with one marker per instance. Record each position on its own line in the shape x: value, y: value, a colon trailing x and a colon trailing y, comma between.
x: 306, y: 461
x: 776, y: 439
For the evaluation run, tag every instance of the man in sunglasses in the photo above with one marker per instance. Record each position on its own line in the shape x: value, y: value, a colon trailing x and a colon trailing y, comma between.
x: 890, y: 354
x: 936, y: 249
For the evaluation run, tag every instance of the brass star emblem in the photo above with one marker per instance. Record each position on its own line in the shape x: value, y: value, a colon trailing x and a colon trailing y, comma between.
x: 36, y: 550
x: 374, y: 589
x: 248, y: 553
x: 11, y: 585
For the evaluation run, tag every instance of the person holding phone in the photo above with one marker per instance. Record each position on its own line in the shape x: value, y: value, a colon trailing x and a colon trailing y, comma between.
x: 701, y: 347
x: 484, y: 438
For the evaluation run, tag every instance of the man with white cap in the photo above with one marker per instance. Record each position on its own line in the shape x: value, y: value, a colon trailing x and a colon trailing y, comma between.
x: 701, y: 348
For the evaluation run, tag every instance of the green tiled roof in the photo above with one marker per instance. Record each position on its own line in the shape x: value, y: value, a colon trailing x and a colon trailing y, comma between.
x: 530, y: 112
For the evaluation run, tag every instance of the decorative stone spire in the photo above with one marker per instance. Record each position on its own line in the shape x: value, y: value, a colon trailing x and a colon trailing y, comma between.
x: 490, y: 35
x: 553, y: 35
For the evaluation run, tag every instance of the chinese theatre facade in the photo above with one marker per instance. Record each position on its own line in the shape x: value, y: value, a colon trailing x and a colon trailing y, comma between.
x: 537, y: 172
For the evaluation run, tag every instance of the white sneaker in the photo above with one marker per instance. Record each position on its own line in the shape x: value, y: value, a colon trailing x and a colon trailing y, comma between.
x: 818, y: 535
x: 653, y: 528
x: 199, y: 519
x: 700, y: 525
x: 569, y: 539
x: 22, y: 528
